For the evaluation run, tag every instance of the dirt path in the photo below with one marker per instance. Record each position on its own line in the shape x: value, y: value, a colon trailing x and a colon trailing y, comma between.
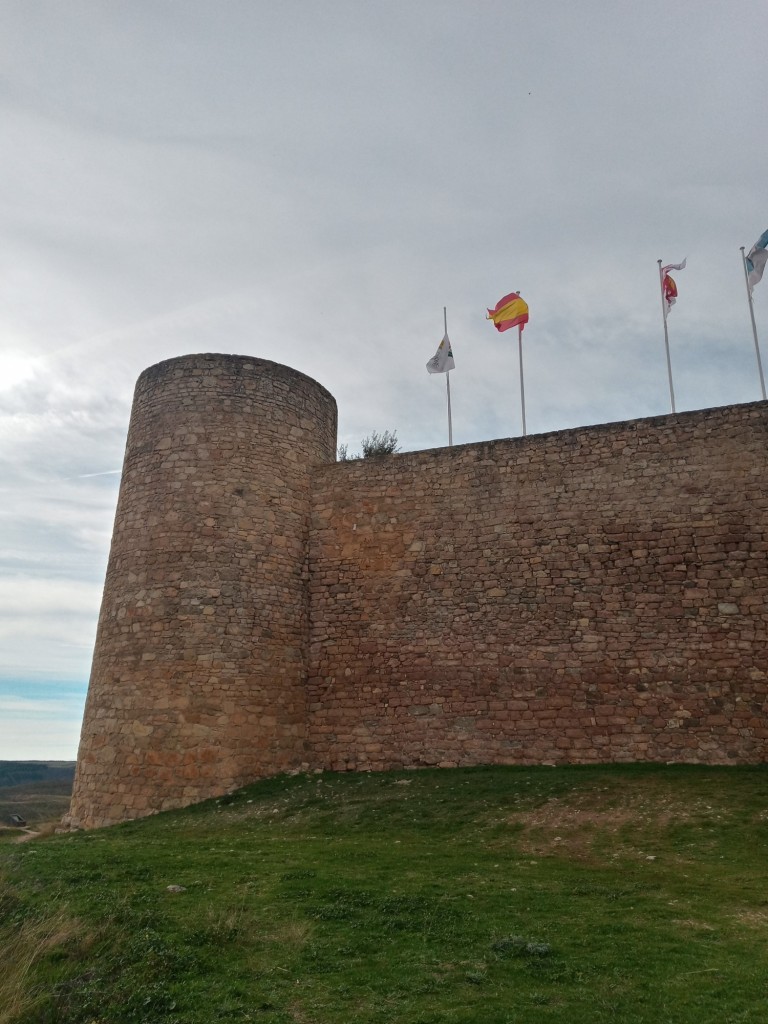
x: 26, y: 836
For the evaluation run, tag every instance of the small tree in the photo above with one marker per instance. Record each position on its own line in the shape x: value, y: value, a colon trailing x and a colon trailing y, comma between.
x: 373, y: 445
x: 380, y: 444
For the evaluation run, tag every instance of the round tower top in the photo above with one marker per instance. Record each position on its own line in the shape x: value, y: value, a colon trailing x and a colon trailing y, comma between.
x: 235, y: 365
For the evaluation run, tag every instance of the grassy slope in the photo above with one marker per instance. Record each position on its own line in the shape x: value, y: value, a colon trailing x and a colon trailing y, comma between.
x: 632, y: 894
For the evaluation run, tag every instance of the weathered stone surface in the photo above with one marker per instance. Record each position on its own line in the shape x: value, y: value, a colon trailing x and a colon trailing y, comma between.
x: 198, y: 679
x: 591, y: 595
x: 598, y: 594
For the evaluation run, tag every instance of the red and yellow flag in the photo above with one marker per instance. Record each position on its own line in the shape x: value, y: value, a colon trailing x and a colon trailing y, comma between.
x: 509, y: 312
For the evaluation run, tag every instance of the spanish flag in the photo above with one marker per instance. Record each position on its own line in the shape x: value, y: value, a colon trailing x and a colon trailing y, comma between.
x: 509, y: 312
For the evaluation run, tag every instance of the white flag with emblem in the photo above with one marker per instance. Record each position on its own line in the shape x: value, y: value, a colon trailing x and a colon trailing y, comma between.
x: 442, y: 360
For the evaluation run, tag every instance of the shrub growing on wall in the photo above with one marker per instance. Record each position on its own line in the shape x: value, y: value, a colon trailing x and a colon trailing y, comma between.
x: 373, y: 445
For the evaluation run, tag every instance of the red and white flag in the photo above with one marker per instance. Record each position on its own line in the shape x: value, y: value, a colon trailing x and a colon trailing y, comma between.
x: 668, y: 286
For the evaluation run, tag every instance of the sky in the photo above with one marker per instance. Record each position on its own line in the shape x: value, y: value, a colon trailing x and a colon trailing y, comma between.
x: 312, y: 184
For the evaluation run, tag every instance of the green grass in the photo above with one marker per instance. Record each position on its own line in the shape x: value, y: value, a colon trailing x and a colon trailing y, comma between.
x: 498, y: 895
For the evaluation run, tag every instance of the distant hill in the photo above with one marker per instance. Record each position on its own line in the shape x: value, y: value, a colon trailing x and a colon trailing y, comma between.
x: 38, y: 791
x: 17, y: 773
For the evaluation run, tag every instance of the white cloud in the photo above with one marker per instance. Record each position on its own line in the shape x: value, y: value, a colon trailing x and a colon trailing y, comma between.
x: 50, y: 709
x: 312, y: 184
x: 47, y: 625
x: 39, y: 729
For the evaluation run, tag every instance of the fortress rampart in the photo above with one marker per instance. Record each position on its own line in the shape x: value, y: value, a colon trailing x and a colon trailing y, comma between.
x: 591, y: 595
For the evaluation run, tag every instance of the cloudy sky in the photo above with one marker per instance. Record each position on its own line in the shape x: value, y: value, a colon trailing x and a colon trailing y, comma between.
x: 313, y: 183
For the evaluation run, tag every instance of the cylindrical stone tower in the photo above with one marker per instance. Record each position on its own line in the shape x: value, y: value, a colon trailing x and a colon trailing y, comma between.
x: 198, y: 679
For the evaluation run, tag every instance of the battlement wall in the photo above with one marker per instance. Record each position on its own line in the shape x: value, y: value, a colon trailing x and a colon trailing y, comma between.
x: 598, y: 594
x: 590, y: 595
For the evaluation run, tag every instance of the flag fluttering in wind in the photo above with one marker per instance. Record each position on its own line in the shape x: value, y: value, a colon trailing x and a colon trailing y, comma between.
x: 668, y: 299
x: 510, y: 311
x: 754, y: 265
x: 668, y: 286
x: 670, y: 291
x: 756, y: 259
x: 442, y: 360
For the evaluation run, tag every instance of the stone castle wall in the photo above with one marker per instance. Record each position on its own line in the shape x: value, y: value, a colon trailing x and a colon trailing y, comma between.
x: 198, y: 679
x: 598, y: 594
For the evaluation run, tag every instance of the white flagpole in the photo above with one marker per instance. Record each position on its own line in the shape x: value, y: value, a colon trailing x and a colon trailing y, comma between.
x: 522, y: 386
x: 448, y: 384
x: 666, y: 336
x: 754, y: 326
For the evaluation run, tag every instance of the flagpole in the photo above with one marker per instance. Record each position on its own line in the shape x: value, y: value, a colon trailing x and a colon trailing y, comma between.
x: 448, y: 384
x: 666, y: 336
x: 522, y: 386
x: 754, y: 325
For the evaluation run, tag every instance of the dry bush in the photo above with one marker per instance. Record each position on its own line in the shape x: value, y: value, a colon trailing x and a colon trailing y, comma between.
x: 25, y: 945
